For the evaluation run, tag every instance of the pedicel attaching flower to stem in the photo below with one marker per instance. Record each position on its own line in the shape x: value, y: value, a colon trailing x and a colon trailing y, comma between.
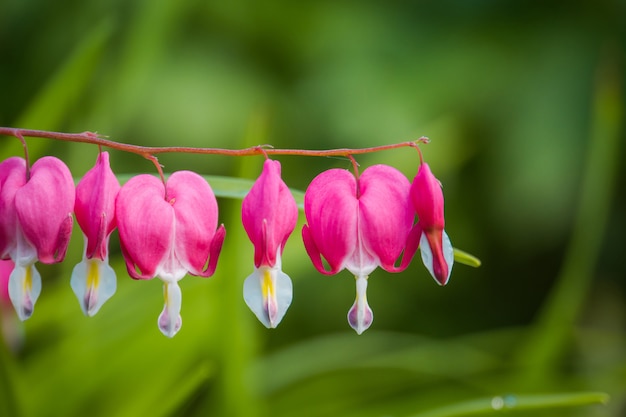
x: 269, y: 214
x: 93, y: 280
x: 36, y: 207
x: 359, y: 224
x: 168, y: 230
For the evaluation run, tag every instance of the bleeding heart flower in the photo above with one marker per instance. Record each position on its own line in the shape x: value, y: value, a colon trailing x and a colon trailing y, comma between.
x: 93, y: 280
x: 35, y: 223
x: 359, y: 224
x: 435, y: 246
x: 169, y: 231
x: 269, y: 214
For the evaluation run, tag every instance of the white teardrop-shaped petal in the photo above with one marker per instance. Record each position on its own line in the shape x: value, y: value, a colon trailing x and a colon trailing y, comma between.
x: 360, y: 315
x: 24, y: 289
x: 94, y: 282
x: 170, y: 320
x: 268, y: 293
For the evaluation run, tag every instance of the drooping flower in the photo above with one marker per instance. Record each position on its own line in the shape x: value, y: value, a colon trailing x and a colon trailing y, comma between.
x: 35, y: 223
x: 93, y: 280
x: 435, y: 247
x: 168, y: 231
x: 269, y: 214
x: 359, y: 224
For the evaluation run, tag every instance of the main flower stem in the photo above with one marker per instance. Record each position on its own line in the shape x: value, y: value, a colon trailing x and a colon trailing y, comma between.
x: 149, y: 151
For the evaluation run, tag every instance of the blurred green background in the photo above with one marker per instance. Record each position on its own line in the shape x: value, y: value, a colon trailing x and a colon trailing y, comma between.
x: 523, y: 102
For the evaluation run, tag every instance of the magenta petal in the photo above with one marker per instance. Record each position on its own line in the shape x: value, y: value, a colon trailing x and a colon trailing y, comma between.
x: 12, y: 178
x: 44, y: 208
x: 195, y: 210
x: 412, y: 244
x: 95, y: 206
x: 427, y: 198
x: 385, y: 213
x: 436, y: 249
x: 146, y: 225
x: 331, y: 207
x: 314, y: 253
x: 269, y: 214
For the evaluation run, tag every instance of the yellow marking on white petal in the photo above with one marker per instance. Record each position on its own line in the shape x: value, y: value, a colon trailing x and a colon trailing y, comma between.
x: 165, y: 295
x: 268, y: 290
x: 268, y: 285
x: 93, y: 276
x: 28, y: 280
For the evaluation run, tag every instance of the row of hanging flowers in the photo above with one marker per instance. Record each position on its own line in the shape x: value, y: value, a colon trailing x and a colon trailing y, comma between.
x: 168, y: 228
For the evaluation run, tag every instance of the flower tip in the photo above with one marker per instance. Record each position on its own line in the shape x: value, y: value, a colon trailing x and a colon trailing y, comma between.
x: 441, y: 277
x: 25, y: 309
x: 360, y: 318
x: 437, y: 257
x: 169, y: 325
x: 90, y: 302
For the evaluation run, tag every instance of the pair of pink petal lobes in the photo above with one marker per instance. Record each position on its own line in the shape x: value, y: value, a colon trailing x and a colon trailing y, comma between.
x: 171, y: 233
x: 93, y: 282
x: 358, y: 225
x: 95, y: 206
x: 35, y: 223
x: 39, y: 207
x: 269, y: 214
x: 360, y: 315
x: 44, y: 207
x: 386, y: 216
x: 268, y: 292
x: 24, y: 289
x: 170, y: 321
x: 436, y: 249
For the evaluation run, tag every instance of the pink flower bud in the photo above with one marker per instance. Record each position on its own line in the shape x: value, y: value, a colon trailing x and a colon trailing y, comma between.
x: 436, y: 249
x: 269, y: 214
x: 93, y: 280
